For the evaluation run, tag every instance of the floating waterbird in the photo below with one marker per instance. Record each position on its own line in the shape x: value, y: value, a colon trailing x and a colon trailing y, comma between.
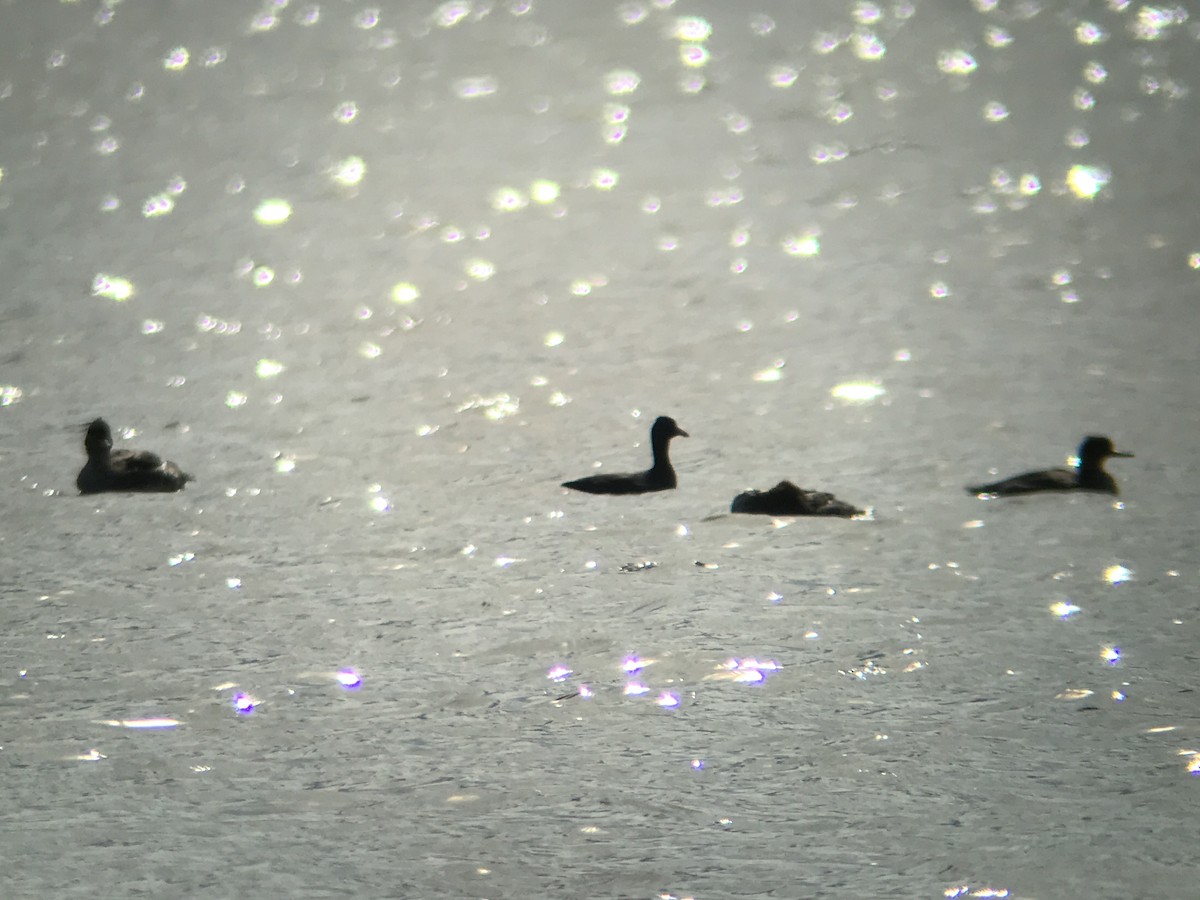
x: 124, y: 470
x: 659, y: 477
x: 785, y: 499
x: 1088, y: 475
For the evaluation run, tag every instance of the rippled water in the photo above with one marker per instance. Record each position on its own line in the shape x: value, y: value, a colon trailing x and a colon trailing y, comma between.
x: 382, y: 277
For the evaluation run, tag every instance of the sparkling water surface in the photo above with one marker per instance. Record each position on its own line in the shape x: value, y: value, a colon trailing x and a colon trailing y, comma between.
x: 381, y: 277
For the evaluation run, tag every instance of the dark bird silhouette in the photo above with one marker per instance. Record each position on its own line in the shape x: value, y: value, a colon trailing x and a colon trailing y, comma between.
x: 785, y: 499
x: 124, y: 470
x: 659, y: 477
x: 1089, y: 475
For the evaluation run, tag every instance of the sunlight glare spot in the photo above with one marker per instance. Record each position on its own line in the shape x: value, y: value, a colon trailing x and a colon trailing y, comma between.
x: 615, y: 113
x: 633, y: 664
x: 176, y: 60
x: 805, y: 245
x: 782, y: 76
x: 274, y: 211
x: 450, y: 14
x: 157, y: 205
x: 475, y: 87
x: 621, y: 81
x: 368, y: 350
x: 995, y: 111
x: 839, y: 113
x: 1154, y: 23
x: 825, y: 42
x: 1089, y: 33
x: 773, y: 373
x: 604, y: 179
x: 497, y: 407
x: 867, y: 46
x: 508, y: 199
x: 1086, y: 182
x: 826, y: 153
x: 268, y: 368
x: 694, y: 56
x: 1118, y: 574
x: 544, y: 191
x: 349, y: 171
x: 997, y: 38
x: 956, y: 62
x: 692, y: 28
x: 158, y: 722
x: 264, y: 21
x: 479, y: 269
x: 1110, y: 654
x: 112, y: 287
x: 632, y: 13
x: 405, y: 292
x: 367, y: 19
x: 1073, y: 694
x: 858, y: 391
x: 1094, y: 72
x: 1064, y: 609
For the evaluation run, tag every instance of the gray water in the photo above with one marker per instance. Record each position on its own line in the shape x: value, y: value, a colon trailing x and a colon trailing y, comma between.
x: 881, y: 250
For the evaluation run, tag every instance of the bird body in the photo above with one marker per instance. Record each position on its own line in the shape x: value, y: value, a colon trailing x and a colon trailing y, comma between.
x: 124, y: 470
x: 1089, y: 475
x: 659, y: 477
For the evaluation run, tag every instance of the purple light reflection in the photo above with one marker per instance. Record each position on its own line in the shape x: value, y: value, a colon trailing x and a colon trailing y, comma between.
x: 751, y: 670
x: 633, y: 664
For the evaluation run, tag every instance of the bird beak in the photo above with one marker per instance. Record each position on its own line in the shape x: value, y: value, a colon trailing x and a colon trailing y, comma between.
x: 1122, y: 453
x: 679, y: 432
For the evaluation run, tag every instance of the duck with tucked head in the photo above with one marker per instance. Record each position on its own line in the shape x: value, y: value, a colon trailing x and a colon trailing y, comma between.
x: 124, y: 470
x: 1088, y: 475
x: 659, y: 477
x: 785, y: 499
